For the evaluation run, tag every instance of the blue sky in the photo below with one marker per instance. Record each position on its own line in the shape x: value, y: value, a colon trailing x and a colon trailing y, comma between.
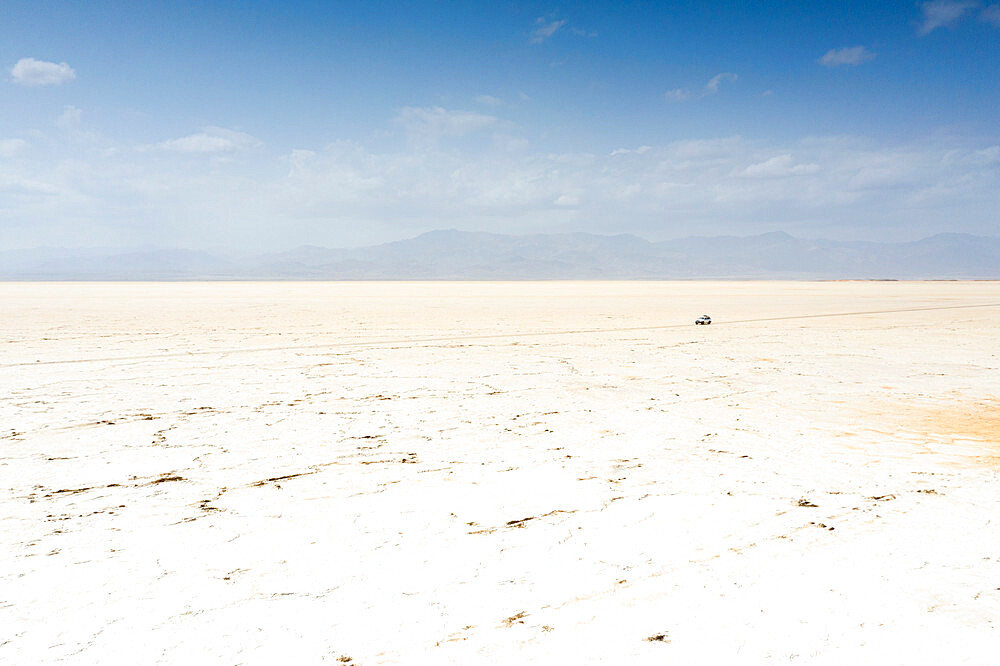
x: 259, y: 125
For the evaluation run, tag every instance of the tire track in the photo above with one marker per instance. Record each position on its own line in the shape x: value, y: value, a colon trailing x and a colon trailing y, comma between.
x: 404, y: 343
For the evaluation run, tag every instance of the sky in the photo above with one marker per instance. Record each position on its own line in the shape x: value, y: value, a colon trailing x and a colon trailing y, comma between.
x: 258, y: 126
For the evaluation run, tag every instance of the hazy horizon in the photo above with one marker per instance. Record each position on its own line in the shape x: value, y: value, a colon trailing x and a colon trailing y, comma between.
x: 224, y: 250
x: 460, y: 255
x: 278, y: 125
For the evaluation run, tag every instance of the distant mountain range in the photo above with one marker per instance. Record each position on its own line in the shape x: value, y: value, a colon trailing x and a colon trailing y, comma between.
x: 460, y: 255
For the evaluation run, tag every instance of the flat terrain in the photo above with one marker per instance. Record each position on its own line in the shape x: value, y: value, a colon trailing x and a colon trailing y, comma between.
x: 511, y: 473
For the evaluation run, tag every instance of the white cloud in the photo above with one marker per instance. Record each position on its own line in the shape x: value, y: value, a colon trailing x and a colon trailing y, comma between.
x: 711, y: 88
x: 848, y: 55
x: 779, y: 166
x: 728, y: 181
x: 21, y: 187
x: 545, y: 29
x: 943, y: 13
x: 31, y: 72
x: 713, y: 84
x: 71, y: 126
x: 986, y: 156
x: 629, y: 151
x: 88, y: 193
x: 839, y: 187
x: 488, y: 100
x: 510, y: 144
x: 706, y: 149
x: 678, y: 95
x: 428, y: 124
x: 991, y: 15
x: 70, y: 119
x: 11, y: 147
x: 211, y: 140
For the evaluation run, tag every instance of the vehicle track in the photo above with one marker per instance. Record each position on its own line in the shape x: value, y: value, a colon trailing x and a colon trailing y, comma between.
x: 490, y: 336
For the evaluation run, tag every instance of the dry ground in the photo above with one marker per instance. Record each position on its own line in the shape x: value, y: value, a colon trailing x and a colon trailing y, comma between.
x: 566, y: 472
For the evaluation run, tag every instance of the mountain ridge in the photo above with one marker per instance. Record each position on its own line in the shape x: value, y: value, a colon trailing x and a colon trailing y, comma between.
x: 475, y: 255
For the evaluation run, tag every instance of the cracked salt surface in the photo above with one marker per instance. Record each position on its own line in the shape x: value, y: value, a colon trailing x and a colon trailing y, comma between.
x: 823, y: 489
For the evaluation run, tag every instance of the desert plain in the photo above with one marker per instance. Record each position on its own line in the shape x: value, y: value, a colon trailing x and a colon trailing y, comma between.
x: 500, y: 473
